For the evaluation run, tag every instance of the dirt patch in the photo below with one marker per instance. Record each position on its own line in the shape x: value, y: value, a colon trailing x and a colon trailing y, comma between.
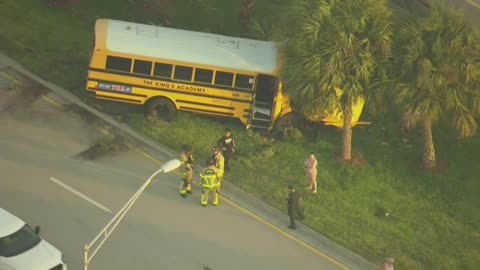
x: 357, y: 159
x: 206, y: 267
x: 441, y: 168
x: 103, y: 148
x: 95, y: 124
x: 109, y: 145
x: 82, y: 113
x: 5, y: 83
x: 27, y: 90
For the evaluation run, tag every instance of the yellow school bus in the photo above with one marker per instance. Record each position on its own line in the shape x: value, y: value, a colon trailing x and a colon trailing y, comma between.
x: 169, y: 69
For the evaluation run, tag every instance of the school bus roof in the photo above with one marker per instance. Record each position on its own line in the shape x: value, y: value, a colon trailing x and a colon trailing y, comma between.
x: 189, y: 46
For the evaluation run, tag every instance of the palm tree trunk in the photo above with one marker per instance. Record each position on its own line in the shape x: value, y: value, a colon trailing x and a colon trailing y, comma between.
x: 347, y: 133
x: 429, y: 160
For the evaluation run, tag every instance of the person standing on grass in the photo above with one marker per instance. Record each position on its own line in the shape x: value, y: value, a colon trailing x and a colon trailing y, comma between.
x: 293, y: 206
x: 387, y: 265
x: 227, y: 143
x: 311, y: 170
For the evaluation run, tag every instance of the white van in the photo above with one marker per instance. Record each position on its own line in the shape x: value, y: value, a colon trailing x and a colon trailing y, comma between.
x: 22, y: 249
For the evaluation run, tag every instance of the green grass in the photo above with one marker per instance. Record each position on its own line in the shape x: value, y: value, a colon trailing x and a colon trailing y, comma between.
x: 435, y: 218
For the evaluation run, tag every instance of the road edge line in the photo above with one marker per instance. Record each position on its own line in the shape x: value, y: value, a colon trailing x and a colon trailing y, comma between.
x: 53, y: 102
x: 473, y: 3
x: 285, y: 234
x: 345, y: 255
x: 260, y: 219
x: 145, y: 154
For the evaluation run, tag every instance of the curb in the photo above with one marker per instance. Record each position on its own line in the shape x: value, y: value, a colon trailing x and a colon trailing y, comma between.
x: 304, y: 235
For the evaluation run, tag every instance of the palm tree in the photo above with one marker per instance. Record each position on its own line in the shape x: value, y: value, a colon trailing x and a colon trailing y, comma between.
x: 439, y: 79
x: 330, y: 45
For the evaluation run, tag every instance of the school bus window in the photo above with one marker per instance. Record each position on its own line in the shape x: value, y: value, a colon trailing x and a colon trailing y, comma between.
x: 183, y: 73
x: 224, y: 78
x: 118, y: 63
x: 203, y: 75
x: 163, y: 70
x: 244, y: 81
x: 142, y: 67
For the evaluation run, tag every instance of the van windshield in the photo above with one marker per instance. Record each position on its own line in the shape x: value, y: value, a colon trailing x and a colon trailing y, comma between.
x: 18, y: 242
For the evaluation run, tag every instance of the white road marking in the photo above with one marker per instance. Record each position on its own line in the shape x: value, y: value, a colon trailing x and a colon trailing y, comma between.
x: 474, y: 3
x: 81, y: 195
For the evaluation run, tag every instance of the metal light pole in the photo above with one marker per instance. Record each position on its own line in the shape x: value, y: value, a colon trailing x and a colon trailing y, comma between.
x: 108, y: 229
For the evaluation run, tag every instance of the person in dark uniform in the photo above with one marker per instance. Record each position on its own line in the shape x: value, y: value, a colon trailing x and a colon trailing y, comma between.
x: 227, y: 144
x: 293, y: 206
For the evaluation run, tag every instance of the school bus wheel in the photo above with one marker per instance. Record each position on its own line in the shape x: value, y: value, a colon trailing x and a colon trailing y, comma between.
x: 162, y: 108
x: 285, y: 121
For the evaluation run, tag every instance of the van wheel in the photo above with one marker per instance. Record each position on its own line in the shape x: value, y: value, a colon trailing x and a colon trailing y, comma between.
x: 161, y: 108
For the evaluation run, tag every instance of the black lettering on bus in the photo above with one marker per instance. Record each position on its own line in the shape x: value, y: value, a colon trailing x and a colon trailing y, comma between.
x: 162, y: 84
x: 178, y: 87
x: 190, y: 88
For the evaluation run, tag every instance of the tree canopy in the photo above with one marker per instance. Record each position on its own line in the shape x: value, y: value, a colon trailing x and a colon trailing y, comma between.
x: 329, y: 45
x: 438, y: 73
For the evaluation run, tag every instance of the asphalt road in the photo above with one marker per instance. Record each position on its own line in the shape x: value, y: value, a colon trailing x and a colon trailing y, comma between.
x: 470, y: 7
x: 162, y: 231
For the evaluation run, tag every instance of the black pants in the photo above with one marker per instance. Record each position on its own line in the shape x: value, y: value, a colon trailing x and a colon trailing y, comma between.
x: 292, y: 211
x: 227, y: 154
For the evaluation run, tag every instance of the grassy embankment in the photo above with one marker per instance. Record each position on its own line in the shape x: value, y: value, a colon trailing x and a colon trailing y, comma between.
x: 434, y: 220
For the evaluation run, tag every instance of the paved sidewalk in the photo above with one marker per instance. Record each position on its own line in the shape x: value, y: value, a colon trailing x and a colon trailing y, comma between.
x: 253, y: 206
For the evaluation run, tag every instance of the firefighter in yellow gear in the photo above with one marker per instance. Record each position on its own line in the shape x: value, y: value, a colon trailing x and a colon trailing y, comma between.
x: 209, y: 184
x: 186, y: 158
x: 219, y: 162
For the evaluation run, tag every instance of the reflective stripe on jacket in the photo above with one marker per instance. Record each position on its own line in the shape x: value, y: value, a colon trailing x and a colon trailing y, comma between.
x: 209, y: 178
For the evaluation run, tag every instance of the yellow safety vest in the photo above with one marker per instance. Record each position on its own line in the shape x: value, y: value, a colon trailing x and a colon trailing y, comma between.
x: 209, y: 179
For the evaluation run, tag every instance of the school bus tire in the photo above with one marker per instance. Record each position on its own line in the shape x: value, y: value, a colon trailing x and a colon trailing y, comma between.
x: 162, y: 108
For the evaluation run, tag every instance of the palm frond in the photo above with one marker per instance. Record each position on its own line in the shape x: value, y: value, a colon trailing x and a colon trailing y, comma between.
x: 336, y: 44
x: 439, y: 56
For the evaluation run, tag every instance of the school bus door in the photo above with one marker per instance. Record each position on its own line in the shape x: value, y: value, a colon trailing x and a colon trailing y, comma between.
x: 265, y: 92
